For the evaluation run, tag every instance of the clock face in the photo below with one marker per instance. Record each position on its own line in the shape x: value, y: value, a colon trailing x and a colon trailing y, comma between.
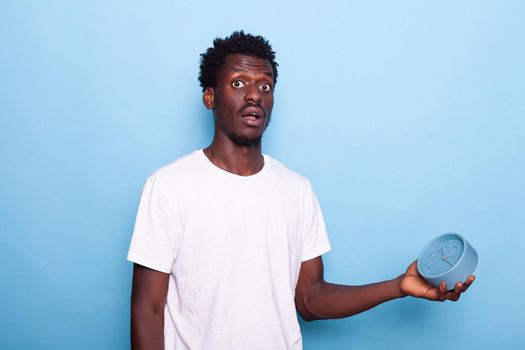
x: 442, y: 255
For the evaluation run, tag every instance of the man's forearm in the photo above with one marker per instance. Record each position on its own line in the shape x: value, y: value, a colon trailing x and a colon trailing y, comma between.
x: 327, y: 300
x: 147, y: 329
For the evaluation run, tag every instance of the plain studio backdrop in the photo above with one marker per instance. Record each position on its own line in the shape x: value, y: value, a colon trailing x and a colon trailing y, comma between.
x: 407, y: 116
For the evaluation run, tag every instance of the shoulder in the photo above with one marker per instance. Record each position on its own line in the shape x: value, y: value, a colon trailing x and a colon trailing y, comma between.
x: 180, y: 170
x: 287, y: 175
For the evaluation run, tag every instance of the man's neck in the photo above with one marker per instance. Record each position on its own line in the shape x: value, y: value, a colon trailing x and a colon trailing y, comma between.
x: 236, y: 159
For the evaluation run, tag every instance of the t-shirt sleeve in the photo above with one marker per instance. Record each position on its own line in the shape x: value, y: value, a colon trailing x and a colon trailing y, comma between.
x: 316, y: 240
x: 157, y: 231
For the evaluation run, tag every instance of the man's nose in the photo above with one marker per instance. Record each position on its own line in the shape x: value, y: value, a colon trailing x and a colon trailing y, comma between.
x: 252, y: 93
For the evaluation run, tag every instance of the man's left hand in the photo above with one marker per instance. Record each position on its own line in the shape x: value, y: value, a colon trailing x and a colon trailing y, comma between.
x: 414, y: 285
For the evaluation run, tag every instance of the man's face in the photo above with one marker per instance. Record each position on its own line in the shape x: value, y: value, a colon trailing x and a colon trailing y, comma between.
x: 242, y: 102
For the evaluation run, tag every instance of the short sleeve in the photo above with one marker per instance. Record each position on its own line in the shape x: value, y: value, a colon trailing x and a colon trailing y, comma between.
x: 157, y: 231
x: 316, y: 240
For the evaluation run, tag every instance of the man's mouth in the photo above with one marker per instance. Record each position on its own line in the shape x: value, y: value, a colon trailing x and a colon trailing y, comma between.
x: 252, y: 115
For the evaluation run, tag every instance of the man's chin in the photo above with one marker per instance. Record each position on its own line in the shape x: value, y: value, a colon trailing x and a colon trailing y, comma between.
x: 245, y: 141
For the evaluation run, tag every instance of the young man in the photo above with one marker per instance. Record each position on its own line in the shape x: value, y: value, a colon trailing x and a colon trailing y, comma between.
x: 227, y: 243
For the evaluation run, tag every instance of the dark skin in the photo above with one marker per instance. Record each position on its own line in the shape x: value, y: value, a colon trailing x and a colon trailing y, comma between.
x: 148, y: 297
x: 242, y: 103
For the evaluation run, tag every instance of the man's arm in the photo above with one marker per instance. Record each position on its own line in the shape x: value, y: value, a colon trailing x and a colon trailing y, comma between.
x: 317, y: 299
x: 148, y: 298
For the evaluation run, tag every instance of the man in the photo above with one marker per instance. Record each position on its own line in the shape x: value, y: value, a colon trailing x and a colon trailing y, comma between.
x: 228, y: 242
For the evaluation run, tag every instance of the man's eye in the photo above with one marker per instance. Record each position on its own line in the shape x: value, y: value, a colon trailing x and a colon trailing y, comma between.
x: 266, y: 87
x: 237, y: 84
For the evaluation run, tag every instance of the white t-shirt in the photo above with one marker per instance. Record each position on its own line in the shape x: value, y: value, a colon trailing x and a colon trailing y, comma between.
x: 233, y: 246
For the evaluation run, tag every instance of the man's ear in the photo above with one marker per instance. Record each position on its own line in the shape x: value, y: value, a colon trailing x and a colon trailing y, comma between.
x: 208, y: 98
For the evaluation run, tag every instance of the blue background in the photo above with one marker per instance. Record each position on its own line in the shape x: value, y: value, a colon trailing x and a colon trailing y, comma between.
x: 407, y: 116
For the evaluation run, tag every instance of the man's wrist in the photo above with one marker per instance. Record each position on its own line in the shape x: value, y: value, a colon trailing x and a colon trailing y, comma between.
x: 397, y: 287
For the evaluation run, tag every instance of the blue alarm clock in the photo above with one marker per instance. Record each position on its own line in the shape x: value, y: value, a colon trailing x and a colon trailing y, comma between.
x: 449, y: 258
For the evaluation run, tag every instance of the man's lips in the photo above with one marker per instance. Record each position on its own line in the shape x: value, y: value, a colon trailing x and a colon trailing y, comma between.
x: 251, y: 109
x: 252, y: 115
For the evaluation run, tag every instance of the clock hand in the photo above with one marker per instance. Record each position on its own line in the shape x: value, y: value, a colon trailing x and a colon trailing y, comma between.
x: 445, y: 259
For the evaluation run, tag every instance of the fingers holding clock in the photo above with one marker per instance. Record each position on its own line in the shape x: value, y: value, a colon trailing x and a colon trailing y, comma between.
x: 468, y: 283
x: 462, y: 287
x: 454, y: 294
x: 413, y: 284
x: 443, y: 288
x: 459, y: 289
x: 441, y: 294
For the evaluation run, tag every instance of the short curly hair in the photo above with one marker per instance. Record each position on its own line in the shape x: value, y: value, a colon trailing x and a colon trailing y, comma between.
x: 239, y: 42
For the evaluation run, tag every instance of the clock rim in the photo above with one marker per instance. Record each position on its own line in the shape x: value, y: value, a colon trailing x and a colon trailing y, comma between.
x: 419, y: 269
